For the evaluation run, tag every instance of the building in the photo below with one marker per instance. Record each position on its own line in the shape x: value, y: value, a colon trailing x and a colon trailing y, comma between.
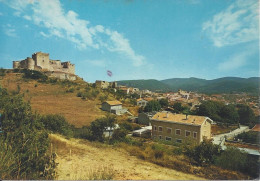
x: 180, y: 128
x: 141, y: 102
x: 102, y: 84
x: 144, y: 132
x: 41, y: 62
x: 113, y: 107
x: 145, y: 117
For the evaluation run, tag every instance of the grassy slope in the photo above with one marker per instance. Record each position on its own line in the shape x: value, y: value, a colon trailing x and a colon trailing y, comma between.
x: 53, y: 99
x: 87, y: 157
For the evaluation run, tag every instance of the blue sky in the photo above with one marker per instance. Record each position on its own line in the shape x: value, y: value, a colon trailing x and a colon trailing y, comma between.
x: 149, y: 39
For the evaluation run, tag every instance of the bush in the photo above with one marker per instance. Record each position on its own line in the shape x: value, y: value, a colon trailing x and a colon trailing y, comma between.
x: 2, y: 72
x: 24, y: 142
x: 232, y: 158
x: 33, y: 74
x: 70, y: 90
x: 98, y: 127
x: 119, y: 135
x: 57, y: 124
x: 204, y: 153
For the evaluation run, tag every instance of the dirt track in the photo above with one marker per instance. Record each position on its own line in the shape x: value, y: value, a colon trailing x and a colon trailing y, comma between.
x: 86, y: 158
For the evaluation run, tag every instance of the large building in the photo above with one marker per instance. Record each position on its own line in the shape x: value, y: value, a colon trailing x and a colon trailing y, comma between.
x: 180, y: 128
x: 41, y: 62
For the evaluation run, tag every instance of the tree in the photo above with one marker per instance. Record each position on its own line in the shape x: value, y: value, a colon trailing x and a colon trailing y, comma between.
x: 232, y: 158
x: 98, y: 127
x: 204, y: 153
x: 246, y: 115
x: 152, y: 106
x: 24, y: 140
x: 229, y: 114
x: 164, y: 103
x: 177, y: 107
x: 210, y: 109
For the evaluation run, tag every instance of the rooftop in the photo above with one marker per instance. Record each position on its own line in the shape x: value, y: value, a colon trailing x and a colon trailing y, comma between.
x: 256, y: 128
x: 180, y: 118
x: 113, y: 103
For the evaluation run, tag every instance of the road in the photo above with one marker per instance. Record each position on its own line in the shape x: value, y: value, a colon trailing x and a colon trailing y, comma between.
x: 219, y: 139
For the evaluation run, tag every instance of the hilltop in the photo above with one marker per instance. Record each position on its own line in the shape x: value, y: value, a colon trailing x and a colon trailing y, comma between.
x: 215, y: 86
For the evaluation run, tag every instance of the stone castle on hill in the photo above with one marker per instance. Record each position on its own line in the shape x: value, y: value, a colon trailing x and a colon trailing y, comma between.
x: 53, y: 68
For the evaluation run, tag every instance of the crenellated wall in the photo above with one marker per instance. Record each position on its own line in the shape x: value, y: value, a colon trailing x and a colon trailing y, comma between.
x: 41, y: 61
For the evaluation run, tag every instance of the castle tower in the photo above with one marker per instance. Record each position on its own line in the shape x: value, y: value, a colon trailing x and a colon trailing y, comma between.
x: 16, y: 64
x: 41, y: 60
x: 30, y: 63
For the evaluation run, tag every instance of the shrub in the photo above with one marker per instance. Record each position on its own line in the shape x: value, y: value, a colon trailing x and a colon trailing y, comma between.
x: 119, y: 135
x: 79, y: 94
x: 2, y: 72
x: 232, y: 158
x: 102, y: 173
x: 24, y: 141
x: 57, y: 124
x: 70, y: 90
x: 98, y: 127
x: 204, y: 153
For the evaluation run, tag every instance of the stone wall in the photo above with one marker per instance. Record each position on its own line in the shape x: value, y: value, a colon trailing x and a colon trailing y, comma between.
x: 40, y: 61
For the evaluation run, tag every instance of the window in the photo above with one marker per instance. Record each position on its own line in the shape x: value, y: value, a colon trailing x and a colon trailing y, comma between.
x: 179, y: 141
x: 178, y: 132
x: 155, y: 128
x: 168, y: 138
x: 160, y: 128
x: 194, y: 134
x: 160, y: 137
x: 187, y: 133
x: 169, y: 130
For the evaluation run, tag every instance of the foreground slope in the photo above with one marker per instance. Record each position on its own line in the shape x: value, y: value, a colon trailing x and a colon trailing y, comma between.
x: 87, y: 157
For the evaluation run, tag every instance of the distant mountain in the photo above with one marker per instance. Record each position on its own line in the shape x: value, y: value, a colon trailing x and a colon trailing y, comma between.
x: 220, y: 85
x: 150, y: 84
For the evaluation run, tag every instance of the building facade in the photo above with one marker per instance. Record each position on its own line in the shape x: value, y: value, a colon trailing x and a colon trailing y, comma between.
x: 180, y: 128
x: 113, y: 107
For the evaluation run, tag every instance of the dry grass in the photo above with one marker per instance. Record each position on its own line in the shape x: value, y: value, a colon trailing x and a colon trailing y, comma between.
x: 53, y: 99
x: 88, y: 160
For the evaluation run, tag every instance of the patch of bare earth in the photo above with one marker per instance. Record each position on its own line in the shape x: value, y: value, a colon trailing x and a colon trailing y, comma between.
x: 77, y: 159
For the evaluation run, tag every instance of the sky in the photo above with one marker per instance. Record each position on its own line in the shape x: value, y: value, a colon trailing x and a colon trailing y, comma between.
x: 144, y: 39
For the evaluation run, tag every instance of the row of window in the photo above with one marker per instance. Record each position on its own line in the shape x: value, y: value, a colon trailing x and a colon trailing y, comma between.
x: 167, y: 138
x: 177, y: 131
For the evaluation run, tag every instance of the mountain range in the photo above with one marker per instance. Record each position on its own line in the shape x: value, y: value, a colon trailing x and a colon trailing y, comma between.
x: 215, y: 86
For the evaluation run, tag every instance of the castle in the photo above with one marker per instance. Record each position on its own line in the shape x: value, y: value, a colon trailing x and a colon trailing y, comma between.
x: 53, y: 68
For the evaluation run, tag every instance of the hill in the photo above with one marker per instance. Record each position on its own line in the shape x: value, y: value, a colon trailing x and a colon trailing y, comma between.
x: 55, y: 98
x: 220, y: 85
x: 150, y: 84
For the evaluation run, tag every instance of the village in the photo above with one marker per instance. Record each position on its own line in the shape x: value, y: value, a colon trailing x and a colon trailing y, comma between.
x: 131, y: 118
x: 170, y: 124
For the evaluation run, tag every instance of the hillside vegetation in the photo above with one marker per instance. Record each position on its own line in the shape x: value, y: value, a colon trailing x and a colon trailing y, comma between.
x: 55, y: 98
x: 221, y: 85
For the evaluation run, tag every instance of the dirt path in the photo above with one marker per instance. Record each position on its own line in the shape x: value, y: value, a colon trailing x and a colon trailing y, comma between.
x: 86, y: 158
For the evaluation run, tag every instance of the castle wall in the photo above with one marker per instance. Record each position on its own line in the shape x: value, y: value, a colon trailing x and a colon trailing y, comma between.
x: 41, y: 62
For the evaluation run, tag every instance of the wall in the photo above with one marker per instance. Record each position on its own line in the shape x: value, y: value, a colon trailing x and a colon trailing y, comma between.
x: 41, y: 62
x: 174, y: 126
